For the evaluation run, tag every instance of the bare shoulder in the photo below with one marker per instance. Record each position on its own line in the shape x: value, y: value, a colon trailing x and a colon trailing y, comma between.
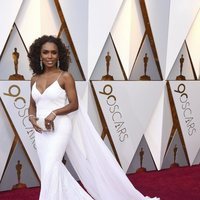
x: 67, y: 77
x: 33, y: 79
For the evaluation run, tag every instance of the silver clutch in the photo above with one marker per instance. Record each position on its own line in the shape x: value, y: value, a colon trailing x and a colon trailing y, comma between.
x: 41, y: 124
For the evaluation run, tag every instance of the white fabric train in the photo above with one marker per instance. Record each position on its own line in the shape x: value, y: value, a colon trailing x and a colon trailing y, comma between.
x: 95, y: 165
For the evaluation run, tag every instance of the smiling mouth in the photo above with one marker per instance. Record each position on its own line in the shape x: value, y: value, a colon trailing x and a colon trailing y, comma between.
x: 50, y: 62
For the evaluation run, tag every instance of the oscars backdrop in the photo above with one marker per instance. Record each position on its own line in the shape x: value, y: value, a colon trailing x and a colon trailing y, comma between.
x: 136, y: 64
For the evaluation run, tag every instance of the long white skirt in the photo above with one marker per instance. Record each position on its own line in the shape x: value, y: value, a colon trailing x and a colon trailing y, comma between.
x: 95, y: 165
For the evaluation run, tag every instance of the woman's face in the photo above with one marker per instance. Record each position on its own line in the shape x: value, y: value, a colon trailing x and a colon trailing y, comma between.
x: 49, y: 54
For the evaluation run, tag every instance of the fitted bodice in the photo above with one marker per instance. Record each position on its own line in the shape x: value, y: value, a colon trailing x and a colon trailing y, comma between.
x: 52, y: 98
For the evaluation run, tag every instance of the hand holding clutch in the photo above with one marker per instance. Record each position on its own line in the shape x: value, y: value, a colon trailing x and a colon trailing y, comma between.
x: 41, y: 124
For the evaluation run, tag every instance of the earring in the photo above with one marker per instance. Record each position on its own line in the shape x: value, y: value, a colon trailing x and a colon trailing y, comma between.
x: 41, y: 65
x: 58, y: 63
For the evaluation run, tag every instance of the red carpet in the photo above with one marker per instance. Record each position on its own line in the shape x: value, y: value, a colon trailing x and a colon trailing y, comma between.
x: 181, y: 183
x: 172, y: 184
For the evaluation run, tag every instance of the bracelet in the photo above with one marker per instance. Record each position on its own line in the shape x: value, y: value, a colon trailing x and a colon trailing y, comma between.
x: 31, y: 116
x: 54, y: 113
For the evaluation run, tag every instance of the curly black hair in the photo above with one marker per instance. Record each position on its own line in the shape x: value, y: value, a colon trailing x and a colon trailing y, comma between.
x: 35, y: 51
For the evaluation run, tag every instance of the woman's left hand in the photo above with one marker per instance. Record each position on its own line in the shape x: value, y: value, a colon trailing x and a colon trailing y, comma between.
x: 49, y: 124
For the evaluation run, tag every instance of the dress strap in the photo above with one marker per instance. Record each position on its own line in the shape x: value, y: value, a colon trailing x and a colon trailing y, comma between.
x: 59, y: 75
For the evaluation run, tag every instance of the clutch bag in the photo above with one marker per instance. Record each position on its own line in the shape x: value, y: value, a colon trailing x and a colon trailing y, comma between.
x: 41, y: 124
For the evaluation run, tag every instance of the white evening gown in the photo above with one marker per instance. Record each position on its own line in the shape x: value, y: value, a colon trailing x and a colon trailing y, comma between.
x: 94, y: 163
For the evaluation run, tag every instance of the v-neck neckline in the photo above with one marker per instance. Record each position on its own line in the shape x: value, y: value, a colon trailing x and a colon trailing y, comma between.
x: 41, y: 93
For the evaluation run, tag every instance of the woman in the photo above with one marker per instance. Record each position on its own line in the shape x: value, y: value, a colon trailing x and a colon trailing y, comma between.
x: 52, y: 102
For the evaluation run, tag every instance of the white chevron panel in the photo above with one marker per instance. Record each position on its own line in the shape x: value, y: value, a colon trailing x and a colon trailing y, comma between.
x: 82, y: 91
x: 76, y: 17
x: 158, y: 131
x: 8, y: 10
x: 28, y: 21
x: 158, y: 12
x: 27, y: 175
x: 182, y: 15
x: 167, y: 125
x: 193, y: 42
x: 127, y: 32
x: 187, y: 105
x: 186, y: 69
x: 7, y: 66
x: 93, y: 111
x: 50, y: 21
x: 175, y: 153
x: 15, y: 96
x: 7, y: 137
x: 197, y: 159
x: 153, y: 134
x: 127, y: 123
x: 114, y: 70
x: 122, y: 29
x: 170, y: 25
x: 138, y: 69
x: 102, y: 14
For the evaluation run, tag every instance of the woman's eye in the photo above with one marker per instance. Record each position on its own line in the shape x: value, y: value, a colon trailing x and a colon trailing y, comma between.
x: 54, y: 52
x: 50, y: 52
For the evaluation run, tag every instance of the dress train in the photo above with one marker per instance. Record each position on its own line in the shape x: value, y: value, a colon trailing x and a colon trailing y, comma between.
x: 95, y: 165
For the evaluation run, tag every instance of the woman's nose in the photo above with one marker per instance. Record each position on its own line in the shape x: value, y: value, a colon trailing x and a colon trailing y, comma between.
x: 50, y: 55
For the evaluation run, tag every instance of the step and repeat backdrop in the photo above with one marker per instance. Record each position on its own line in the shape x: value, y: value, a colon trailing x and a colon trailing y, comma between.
x: 136, y: 64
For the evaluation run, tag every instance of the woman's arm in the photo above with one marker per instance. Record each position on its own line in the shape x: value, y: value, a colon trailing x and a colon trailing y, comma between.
x: 32, y: 106
x: 67, y: 82
x: 32, y: 109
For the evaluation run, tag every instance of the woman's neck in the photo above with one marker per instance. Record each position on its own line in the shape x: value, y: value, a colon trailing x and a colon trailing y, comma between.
x: 50, y: 70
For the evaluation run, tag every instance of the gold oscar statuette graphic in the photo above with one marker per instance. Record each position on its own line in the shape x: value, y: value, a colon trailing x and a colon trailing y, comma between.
x: 181, y: 77
x: 107, y: 77
x: 16, y: 76
x: 141, y: 169
x: 174, y: 164
x: 145, y: 77
x: 19, y: 184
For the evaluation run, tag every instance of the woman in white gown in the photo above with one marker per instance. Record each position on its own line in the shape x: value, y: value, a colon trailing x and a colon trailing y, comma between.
x: 55, y: 114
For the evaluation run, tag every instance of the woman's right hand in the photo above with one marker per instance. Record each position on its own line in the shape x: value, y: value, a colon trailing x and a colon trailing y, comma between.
x: 35, y: 125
